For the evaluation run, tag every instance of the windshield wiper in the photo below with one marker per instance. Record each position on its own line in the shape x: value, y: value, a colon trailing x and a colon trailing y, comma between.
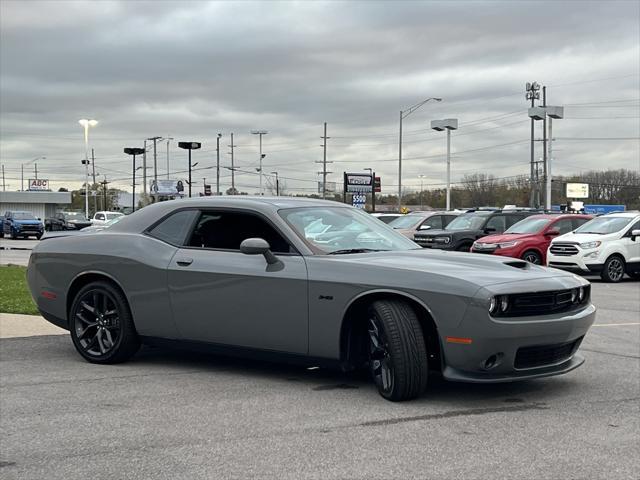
x: 353, y: 250
x: 595, y: 233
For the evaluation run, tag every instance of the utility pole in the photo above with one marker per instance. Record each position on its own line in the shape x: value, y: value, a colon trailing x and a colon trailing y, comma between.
x: 168, y: 139
x: 4, y: 187
x: 35, y: 170
x: 277, y: 184
x: 233, y: 169
x: 93, y: 167
x: 204, y: 186
x: 144, y: 170
x: 324, y: 162
x: 544, y: 151
x: 155, y: 158
x: 104, y: 193
x: 260, y: 133
x: 22, y: 177
x: 218, y: 164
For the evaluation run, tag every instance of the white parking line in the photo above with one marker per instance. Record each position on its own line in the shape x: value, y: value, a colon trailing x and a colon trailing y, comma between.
x: 614, y: 324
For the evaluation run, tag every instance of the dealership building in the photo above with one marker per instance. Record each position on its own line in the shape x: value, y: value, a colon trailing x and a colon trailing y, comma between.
x: 41, y: 204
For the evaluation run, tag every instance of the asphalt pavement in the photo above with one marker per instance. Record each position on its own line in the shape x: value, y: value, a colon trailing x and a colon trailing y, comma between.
x: 171, y: 415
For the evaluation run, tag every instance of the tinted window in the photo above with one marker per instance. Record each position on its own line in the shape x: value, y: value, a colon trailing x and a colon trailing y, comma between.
x: 579, y: 221
x: 446, y: 219
x: 563, y: 226
x: 434, y: 222
x: 227, y: 230
x: 99, y: 216
x: 513, y: 219
x: 174, y: 228
x: 635, y: 226
x: 498, y: 222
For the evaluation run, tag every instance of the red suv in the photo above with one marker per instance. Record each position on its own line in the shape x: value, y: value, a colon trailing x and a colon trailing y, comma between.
x: 529, y: 238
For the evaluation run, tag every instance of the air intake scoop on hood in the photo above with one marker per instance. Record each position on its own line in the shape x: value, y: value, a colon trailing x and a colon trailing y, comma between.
x: 518, y: 264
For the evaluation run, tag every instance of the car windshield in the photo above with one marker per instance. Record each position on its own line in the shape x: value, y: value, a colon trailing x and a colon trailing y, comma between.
x: 113, y: 221
x: 468, y: 221
x: 529, y: 225
x: 406, y: 221
x: 336, y: 230
x: 24, y: 216
x: 74, y: 216
x: 604, y: 225
x: 112, y: 216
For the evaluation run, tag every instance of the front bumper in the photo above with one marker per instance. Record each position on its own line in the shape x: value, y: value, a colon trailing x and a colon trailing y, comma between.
x: 497, y: 346
x: 579, y: 263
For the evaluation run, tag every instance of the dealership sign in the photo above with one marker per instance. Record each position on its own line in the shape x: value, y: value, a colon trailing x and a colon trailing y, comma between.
x: 357, y: 183
x: 577, y: 190
x: 167, y: 187
x: 38, y: 184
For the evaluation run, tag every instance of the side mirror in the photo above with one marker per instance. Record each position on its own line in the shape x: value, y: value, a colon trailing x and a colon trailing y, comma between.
x: 258, y: 246
x: 424, y: 227
x: 635, y: 234
x: 489, y: 230
x: 552, y: 233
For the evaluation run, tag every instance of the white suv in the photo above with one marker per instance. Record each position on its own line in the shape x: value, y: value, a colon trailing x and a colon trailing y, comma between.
x: 608, y: 245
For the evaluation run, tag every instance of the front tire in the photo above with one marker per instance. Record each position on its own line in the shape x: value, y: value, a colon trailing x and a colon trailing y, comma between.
x: 532, y: 256
x: 613, y: 269
x: 397, y: 350
x: 101, y: 324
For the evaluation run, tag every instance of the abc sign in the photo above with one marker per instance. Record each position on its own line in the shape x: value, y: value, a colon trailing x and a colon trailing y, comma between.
x: 38, y: 184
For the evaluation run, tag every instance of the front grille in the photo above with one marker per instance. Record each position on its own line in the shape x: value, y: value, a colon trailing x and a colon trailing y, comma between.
x: 544, y: 303
x: 563, y: 249
x: 545, y: 355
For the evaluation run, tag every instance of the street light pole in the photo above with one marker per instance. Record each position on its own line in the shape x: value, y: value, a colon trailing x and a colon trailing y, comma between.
x: 405, y: 114
x: 190, y: 146
x: 447, y: 124
x: 86, y: 123
x: 218, y: 164
x: 133, y: 151
x: 260, y: 133
x: 421, y: 190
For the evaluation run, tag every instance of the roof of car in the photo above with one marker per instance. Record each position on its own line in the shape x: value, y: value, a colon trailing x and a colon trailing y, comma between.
x: 630, y: 214
x: 555, y: 215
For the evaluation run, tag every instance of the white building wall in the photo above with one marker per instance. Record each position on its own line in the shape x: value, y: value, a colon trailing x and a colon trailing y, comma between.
x: 38, y: 209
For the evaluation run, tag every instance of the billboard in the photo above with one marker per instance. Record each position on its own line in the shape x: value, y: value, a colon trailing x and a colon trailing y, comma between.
x: 603, y: 209
x: 38, y: 184
x: 577, y: 190
x: 170, y: 188
x: 357, y: 183
x: 331, y: 187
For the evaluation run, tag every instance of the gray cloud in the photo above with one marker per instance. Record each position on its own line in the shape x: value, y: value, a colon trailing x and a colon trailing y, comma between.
x: 192, y: 69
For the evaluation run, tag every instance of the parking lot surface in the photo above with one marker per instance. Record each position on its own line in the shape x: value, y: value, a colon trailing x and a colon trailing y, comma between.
x: 171, y: 414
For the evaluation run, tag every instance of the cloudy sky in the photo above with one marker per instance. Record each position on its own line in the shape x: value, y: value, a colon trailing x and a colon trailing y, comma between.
x: 189, y: 70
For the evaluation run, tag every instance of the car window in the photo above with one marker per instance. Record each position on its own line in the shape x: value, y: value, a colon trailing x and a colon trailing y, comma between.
x: 99, y: 216
x: 604, y: 225
x: 434, y: 222
x: 174, y: 228
x: 513, y: 219
x: 446, y: 219
x: 635, y: 226
x: 227, y: 230
x: 498, y: 222
x: 406, y: 221
x: 563, y: 226
x: 468, y: 221
x: 577, y: 222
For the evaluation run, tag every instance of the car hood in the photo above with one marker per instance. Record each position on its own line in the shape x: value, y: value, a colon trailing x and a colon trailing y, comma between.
x: 433, y: 232
x: 582, y: 237
x: 506, y: 238
x: 482, y: 270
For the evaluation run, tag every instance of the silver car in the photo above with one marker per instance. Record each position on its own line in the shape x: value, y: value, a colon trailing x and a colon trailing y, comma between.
x: 308, y: 281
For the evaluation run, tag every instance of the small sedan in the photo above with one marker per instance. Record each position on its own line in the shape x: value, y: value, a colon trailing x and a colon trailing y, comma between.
x: 414, y: 222
x: 241, y: 276
x: 530, y: 238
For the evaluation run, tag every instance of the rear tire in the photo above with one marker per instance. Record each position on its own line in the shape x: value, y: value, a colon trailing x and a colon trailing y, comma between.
x: 464, y: 248
x: 532, y: 256
x: 613, y: 269
x: 397, y: 351
x: 101, y: 324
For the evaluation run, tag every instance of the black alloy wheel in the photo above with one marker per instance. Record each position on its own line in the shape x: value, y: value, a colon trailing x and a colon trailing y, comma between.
x: 613, y: 269
x: 532, y: 256
x: 101, y: 325
x: 397, y: 350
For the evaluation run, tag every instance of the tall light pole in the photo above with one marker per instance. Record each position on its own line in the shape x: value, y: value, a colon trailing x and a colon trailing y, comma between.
x: 404, y: 114
x: 22, y: 170
x: 260, y: 133
x: 168, y: 139
x: 277, y: 183
x: 542, y: 113
x: 133, y: 151
x: 421, y: 190
x: 447, y: 124
x: 532, y: 93
x: 86, y: 124
x: 190, y: 146
x: 218, y: 164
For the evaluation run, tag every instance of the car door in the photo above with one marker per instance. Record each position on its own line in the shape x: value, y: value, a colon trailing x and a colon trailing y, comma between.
x: 632, y: 246
x: 220, y: 295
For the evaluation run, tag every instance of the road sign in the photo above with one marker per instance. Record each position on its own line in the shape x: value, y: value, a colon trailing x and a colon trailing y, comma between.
x: 359, y: 200
x: 377, y: 186
x: 357, y: 183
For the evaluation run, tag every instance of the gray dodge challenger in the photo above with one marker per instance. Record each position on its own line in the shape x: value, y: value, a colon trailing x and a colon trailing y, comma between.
x: 308, y: 281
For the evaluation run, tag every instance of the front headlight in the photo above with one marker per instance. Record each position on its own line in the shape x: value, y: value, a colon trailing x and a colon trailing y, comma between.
x: 499, y: 303
x: 588, y: 245
x: 507, y: 244
x: 446, y: 239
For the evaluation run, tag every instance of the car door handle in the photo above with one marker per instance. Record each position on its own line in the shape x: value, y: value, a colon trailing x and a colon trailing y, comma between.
x: 184, y: 262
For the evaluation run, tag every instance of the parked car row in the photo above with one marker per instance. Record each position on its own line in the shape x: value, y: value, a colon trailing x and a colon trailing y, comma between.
x: 16, y: 224
x: 24, y: 224
x: 608, y: 245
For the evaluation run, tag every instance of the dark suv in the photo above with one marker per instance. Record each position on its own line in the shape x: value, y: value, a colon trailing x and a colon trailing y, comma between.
x: 467, y: 228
